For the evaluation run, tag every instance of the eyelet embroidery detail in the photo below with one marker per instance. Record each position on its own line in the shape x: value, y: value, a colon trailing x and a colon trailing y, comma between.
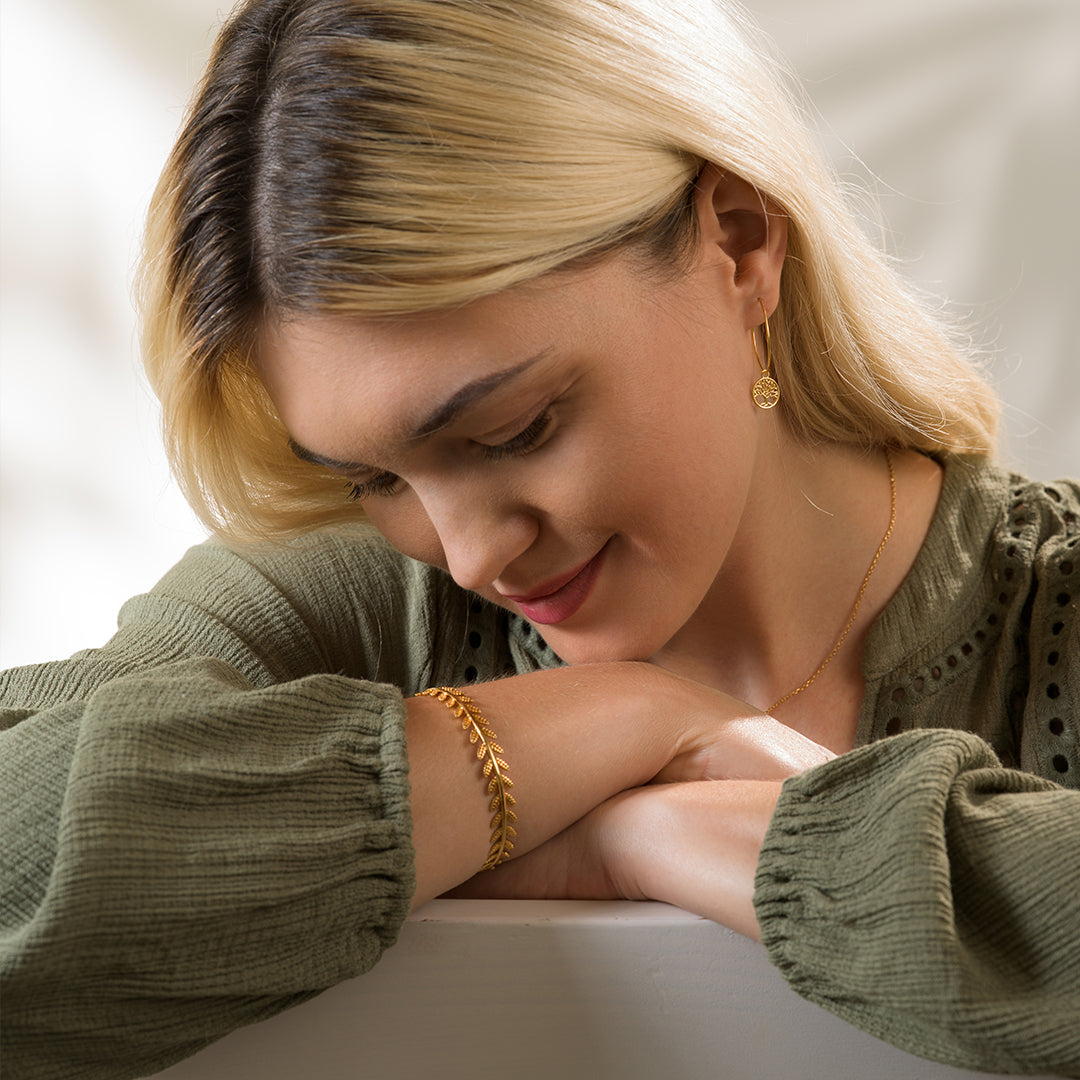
x: 1022, y: 525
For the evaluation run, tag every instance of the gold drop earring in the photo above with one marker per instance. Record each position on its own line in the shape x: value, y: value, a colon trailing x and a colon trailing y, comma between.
x: 766, y: 390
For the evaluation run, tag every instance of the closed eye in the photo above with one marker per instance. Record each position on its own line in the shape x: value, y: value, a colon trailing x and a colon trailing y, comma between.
x: 384, y: 483
x: 524, y: 442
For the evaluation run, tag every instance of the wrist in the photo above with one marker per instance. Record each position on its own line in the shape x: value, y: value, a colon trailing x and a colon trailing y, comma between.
x: 694, y: 845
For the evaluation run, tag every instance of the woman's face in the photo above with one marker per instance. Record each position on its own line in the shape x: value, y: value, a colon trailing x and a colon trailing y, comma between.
x: 577, y: 450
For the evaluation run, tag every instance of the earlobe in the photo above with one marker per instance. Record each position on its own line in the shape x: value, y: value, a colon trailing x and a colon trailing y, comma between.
x: 751, y: 231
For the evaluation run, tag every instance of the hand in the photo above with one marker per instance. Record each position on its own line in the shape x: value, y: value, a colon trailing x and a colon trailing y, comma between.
x: 730, y: 740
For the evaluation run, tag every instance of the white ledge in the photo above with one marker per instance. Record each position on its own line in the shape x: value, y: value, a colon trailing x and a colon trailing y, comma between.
x: 535, y: 990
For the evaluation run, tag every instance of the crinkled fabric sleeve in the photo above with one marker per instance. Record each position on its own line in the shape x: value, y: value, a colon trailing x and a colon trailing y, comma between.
x: 929, y: 896
x: 197, y: 833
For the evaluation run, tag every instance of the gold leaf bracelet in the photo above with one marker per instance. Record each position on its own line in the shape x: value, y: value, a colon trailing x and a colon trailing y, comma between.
x: 495, y: 770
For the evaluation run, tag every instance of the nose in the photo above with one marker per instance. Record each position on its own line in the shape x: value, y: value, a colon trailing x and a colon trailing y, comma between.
x: 480, y: 532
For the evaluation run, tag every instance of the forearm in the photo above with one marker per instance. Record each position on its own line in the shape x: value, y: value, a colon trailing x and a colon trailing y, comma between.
x: 576, y: 738
x: 572, y: 737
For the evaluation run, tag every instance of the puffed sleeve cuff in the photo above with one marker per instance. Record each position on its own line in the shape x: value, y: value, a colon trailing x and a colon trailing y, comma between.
x: 222, y: 851
x: 929, y: 896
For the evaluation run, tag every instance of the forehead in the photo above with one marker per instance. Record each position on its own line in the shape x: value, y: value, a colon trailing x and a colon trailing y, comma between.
x: 342, y: 385
x: 329, y: 355
x: 304, y: 358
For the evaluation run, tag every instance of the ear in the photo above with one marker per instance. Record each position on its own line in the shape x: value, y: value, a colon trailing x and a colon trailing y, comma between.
x: 746, y: 234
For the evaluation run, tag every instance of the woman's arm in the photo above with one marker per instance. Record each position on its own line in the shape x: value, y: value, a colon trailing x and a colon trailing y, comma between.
x: 574, y: 737
x: 186, y: 852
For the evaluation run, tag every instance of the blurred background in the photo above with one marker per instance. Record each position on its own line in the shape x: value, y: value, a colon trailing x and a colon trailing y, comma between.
x: 961, y: 116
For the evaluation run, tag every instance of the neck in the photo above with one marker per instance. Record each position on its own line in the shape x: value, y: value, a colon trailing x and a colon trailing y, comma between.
x: 811, y: 526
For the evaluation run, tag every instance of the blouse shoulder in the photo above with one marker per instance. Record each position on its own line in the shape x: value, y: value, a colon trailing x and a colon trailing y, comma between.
x: 984, y: 635
x: 1042, y: 548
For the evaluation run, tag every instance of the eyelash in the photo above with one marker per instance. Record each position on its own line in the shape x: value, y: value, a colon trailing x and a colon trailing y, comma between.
x: 383, y: 484
x: 521, y: 444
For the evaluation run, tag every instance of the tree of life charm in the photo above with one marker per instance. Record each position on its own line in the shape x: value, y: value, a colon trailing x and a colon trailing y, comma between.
x: 766, y: 392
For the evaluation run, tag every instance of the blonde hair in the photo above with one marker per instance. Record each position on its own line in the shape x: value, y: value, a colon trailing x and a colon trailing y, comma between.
x: 392, y: 156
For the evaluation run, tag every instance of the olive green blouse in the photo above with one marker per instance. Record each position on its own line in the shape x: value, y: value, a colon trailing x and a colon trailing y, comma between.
x: 207, y: 820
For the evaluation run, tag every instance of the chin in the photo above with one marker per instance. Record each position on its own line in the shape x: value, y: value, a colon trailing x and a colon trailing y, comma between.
x: 598, y: 649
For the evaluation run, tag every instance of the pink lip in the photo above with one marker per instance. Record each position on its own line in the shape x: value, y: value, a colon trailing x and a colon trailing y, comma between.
x: 558, y: 599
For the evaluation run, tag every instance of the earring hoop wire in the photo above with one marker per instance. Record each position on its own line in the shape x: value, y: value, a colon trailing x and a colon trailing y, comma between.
x: 766, y: 391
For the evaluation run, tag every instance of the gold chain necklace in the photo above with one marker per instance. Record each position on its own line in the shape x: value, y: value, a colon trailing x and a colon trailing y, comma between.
x: 862, y: 590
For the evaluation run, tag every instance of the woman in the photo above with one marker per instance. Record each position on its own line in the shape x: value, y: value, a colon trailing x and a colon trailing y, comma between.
x: 476, y: 322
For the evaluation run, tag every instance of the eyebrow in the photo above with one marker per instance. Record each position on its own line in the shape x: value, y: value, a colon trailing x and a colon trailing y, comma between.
x: 439, y: 418
x: 471, y: 392
x: 304, y: 454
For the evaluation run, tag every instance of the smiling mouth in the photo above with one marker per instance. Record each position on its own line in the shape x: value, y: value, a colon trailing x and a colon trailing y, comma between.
x: 560, y: 598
